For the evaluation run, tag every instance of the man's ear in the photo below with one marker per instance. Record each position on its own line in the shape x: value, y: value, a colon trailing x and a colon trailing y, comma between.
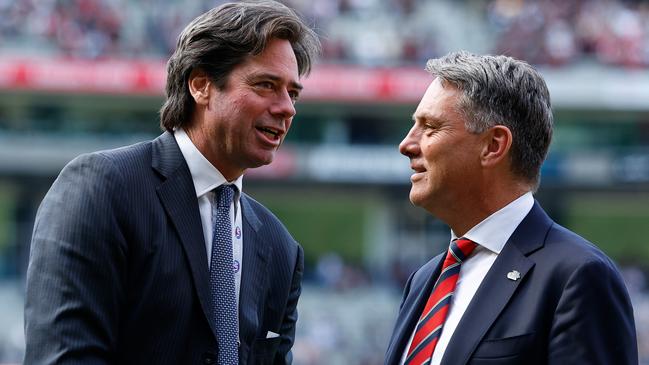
x: 498, y: 142
x: 199, y: 86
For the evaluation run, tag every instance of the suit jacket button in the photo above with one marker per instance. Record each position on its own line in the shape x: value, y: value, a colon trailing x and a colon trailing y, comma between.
x: 209, y: 358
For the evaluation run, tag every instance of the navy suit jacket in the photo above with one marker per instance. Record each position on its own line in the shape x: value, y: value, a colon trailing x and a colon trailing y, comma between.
x: 118, y: 269
x: 569, y: 306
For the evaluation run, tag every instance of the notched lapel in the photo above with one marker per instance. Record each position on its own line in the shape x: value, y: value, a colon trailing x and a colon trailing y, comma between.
x: 253, y: 274
x: 178, y: 196
x: 497, y: 288
x: 493, y: 294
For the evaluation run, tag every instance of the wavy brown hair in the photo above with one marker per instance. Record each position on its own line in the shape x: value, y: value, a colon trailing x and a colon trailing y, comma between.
x: 225, y: 37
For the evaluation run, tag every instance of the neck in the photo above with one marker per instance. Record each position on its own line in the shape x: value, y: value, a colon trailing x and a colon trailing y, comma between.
x: 466, y: 213
x: 201, y: 140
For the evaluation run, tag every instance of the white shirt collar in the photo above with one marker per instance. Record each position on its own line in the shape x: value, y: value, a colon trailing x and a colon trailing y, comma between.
x: 206, y: 177
x: 494, y: 231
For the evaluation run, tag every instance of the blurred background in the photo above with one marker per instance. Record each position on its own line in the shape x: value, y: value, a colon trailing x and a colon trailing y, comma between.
x: 84, y: 75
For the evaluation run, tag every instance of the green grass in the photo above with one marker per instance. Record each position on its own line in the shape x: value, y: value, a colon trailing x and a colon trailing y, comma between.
x: 322, y: 224
x: 618, y: 224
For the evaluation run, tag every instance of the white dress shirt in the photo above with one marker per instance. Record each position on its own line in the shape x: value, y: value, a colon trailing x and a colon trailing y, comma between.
x: 206, y: 178
x: 491, y: 235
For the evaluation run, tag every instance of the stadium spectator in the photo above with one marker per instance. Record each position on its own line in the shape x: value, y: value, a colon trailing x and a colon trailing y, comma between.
x: 370, y: 32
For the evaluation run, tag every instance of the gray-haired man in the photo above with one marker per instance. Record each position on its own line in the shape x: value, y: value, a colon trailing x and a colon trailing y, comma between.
x: 514, y: 287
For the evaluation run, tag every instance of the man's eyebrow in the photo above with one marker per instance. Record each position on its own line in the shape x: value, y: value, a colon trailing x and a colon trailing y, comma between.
x: 275, y: 78
x: 296, y: 85
x: 424, y: 116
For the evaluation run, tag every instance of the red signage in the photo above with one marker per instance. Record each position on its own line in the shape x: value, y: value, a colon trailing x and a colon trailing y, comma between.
x: 326, y: 82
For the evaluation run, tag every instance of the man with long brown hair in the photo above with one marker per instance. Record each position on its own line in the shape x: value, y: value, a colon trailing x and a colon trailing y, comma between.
x: 152, y: 253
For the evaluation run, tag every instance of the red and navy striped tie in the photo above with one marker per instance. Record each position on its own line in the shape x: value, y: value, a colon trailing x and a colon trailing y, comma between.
x: 432, y: 318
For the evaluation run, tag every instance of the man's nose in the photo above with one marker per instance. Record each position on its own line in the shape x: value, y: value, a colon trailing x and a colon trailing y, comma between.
x: 410, y: 144
x: 283, y: 106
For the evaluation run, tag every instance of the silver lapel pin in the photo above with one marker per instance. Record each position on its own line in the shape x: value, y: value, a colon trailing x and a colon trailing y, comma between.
x: 513, y: 275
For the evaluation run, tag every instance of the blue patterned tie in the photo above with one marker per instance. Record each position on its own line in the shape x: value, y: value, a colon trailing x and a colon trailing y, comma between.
x: 222, y: 277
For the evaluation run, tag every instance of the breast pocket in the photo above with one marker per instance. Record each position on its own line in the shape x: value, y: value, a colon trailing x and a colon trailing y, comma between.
x: 264, y: 350
x: 502, y: 351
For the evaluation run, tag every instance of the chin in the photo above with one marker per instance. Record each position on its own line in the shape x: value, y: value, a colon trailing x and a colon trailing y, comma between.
x: 268, y: 159
x: 260, y: 161
x: 422, y: 196
x: 415, y: 198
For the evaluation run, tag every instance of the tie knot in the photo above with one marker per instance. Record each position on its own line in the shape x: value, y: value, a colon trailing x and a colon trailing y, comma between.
x: 224, y: 195
x: 461, y: 248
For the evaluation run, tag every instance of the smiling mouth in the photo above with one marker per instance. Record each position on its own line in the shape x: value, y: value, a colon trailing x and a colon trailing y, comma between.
x: 271, y: 133
x: 418, y: 169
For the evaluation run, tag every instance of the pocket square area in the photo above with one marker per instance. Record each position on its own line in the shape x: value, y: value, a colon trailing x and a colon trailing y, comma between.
x: 272, y: 334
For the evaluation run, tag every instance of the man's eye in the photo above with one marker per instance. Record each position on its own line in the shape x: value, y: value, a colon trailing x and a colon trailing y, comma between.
x: 294, y: 95
x: 265, y: 85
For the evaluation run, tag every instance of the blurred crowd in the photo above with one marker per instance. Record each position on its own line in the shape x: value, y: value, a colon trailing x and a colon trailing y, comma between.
x: 367, y: 32
x: 557, y: 32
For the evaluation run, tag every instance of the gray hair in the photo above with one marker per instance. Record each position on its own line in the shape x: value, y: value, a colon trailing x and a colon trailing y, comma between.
x: 225, y: 37
x: 500, y: 90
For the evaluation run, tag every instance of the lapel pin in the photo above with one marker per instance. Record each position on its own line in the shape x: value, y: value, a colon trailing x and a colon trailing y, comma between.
x: 513, y: 275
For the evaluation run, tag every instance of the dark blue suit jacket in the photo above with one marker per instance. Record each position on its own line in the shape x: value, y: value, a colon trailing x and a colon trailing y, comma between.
x: 570, y: 305
x: 118, y: 269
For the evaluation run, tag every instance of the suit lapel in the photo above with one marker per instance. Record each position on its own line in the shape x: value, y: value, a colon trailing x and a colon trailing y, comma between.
x: 492, y: 296
x: 253, y: 274
x: 421, y: 285
x: 496, y: 289
x: 178, y: 196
